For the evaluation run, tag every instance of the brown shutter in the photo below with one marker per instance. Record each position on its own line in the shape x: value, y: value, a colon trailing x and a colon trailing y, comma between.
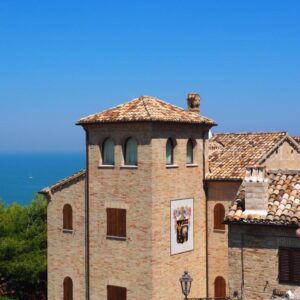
x: 122, y: 222
x: 67, y: 217
x: 220, y: 287
x: 296, y: 266
x: 219, y: 214
x: 68, y: 289
x: 284, y: 265
x: 116, y: 293
x: 116, y: 222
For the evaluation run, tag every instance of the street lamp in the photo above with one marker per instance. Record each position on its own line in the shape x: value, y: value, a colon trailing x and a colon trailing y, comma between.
x: 186, y: 283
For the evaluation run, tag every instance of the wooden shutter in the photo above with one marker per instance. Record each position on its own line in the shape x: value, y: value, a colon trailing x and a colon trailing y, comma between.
x: 68, y: 289
x: 67, y: 217
x: 220, y: 287
x: 116, y: 222
x: 284, y: 265
x: 116, y: 293
x: 219, y: 214
x: 289, y: 265
x: 296, y: 266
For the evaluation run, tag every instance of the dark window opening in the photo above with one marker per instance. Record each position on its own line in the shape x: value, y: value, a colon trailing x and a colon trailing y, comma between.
x: 289, y: 265
x: 130, y: 152
x: 190, y: 151
x: 170, y: 152
x: 108, y: 152
x: 67, y: 217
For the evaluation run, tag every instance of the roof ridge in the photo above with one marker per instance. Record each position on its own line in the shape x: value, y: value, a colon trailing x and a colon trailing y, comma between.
x: 251, y: 133
x: 145, y: 105
x: 283, y: 171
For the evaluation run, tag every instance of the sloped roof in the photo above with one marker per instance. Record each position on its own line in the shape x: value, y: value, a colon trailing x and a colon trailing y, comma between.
x: 297, y: 139
x: 146, y: 108
x: 64, y: 182
x: 283, y: 201
x: 236, y: 151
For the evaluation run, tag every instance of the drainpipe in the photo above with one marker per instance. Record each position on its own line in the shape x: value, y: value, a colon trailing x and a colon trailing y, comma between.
x: 87, y: 219
x: 242, y: 265
x: 206, y: 209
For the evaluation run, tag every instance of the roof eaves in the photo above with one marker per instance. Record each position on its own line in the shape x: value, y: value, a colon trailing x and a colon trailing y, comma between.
x: 62, y: 183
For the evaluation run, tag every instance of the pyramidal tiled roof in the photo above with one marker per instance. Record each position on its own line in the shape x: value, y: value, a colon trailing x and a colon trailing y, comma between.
x: 231, y: 153
x: 283, y: 201
x: 146, y: 108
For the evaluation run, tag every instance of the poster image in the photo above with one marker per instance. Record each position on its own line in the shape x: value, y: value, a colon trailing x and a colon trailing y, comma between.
x: 182, y: 226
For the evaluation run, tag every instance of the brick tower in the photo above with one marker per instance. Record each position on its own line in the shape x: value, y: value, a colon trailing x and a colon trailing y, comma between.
x: 143, y: 202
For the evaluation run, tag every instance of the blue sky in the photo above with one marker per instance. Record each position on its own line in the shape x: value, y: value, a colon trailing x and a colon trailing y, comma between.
x: 64, y: 59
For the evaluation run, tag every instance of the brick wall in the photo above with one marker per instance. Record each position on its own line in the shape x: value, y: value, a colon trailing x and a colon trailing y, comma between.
x: 218, y: 192
x: 66, y: 252
x: 171, y: 184
x: 143, y: 263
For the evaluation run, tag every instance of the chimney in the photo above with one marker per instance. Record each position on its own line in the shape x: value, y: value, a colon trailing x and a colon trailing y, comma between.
x: 256, y: 191
x: 193, y: 101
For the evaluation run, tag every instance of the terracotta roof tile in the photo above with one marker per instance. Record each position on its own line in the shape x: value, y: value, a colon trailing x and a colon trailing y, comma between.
x: 283, y: 202
x: 297, y: 139
x: 146, y: 108
x: 236, y: 151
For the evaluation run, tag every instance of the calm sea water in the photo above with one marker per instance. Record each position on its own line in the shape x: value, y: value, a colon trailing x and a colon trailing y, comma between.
x: 23, y: 175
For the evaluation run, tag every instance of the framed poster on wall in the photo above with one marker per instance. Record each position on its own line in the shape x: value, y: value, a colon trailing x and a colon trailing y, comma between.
x: 182, y: 226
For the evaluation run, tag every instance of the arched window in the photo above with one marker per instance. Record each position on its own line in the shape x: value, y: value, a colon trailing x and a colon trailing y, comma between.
x: 130, y: 152
x: 67, y: 217
x: 219, y: 214
x: 190, y: 151
x: 170, y: 152
x: 108, y: 152
x: 220, y: 287
x: 68, y: 289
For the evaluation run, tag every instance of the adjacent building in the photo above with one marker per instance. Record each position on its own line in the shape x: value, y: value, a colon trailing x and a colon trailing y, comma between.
x: 229, y: 156
x: 264, y: 249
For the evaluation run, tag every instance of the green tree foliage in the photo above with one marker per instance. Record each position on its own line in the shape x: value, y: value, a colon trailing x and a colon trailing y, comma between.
x: 23, y: 250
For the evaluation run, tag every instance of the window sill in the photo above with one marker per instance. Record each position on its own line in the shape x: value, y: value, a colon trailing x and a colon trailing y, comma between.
x: 220, y: 230
x: 106, y: 166
x: 68, y: 231
x: 116, y: 238
x: 171, y: 166
x: 191, y: 165
x: 129, y: 167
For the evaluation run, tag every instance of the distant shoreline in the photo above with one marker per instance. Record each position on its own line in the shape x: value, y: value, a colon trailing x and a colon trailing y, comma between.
x: 23, y: 174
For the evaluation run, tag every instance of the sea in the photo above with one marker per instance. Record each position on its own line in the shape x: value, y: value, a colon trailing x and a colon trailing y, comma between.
x: 22, y: 175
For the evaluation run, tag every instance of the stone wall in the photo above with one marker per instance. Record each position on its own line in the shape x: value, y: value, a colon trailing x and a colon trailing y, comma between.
x: 285, y: 157
x: 253, y: 259
x: 66, y: 251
